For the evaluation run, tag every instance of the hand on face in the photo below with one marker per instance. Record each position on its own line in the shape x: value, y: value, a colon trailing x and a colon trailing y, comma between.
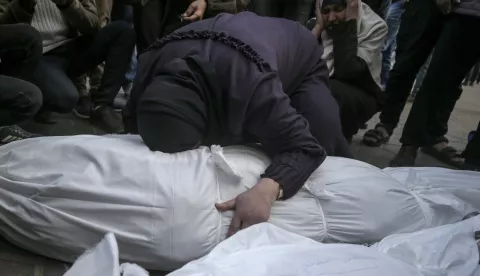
x: 334, y: 12
x: 195, y: 11
x: 319, y: 25
x: 252, y: 206
x: 351, y: 12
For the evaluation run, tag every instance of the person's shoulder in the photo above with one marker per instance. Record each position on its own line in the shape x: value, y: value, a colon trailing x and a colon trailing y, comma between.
x: 370, y: 16
x: 373, y: 20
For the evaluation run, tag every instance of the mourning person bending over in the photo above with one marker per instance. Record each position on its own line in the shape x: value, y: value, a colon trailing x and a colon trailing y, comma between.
x: 352, y: 36
x: 236, y: 79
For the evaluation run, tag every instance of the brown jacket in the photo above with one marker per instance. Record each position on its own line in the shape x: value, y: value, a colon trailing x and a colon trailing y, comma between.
x: 104, y: 11
x: 81, y: 15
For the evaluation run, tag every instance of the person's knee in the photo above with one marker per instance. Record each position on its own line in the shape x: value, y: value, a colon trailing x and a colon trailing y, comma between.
x: 30, y: 39
x: 32, y: 100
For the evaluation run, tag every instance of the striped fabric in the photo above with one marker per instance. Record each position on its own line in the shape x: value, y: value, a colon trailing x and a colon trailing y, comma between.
x: 49, y: 21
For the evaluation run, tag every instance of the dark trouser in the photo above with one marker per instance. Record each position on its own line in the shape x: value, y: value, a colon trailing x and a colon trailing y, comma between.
x: 296, y: 10
x: 156, y: 19
x: 472, y: 151
x: 20, y: 50
x: 420, y: 28
x: 457, y: 50
x: 122, y: 11
x: 356, y: 106
x: 113, y: 44
x: 19, y: 100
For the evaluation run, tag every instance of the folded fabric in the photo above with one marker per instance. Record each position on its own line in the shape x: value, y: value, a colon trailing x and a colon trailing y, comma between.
x: 60, y: 195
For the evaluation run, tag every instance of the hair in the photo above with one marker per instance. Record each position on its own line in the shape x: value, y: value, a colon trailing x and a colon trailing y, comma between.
x: 221, y: 37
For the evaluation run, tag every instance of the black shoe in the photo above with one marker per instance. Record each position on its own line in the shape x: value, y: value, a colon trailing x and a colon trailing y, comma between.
x: 84, y: 108
x: 107, y: 119
x: 405, y: 157
x: 14, y: 133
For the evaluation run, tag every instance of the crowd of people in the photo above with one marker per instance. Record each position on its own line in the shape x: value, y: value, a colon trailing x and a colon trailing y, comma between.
x: 211, y: 72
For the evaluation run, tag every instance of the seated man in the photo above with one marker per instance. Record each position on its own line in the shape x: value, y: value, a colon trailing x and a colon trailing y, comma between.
x: 73, y: 44
x: 352, y: 35
x: 20, y: 50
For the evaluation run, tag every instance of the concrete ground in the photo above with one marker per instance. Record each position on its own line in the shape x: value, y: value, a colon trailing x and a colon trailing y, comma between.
x: 17, y: 262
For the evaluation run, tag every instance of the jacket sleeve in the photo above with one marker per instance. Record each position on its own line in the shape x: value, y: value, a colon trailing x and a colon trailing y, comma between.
x: 345, y: 47
x: 82, y: 15
x: 16, y: 11
x: 352, y: 56
x: 284, y: 134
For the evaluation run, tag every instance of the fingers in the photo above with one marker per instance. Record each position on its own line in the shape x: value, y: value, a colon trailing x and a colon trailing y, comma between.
x: 194, y: 17
x: 226, y: 206
x: 195, y: 11
x: 189, y: 11
x: 197, y: 15
x: 235, y: 226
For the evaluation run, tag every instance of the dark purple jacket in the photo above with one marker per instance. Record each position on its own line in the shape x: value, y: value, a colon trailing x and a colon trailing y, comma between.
x: 258, y: 102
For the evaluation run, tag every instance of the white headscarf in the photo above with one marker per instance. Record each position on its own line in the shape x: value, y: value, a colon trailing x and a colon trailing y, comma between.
x: 371, y: 33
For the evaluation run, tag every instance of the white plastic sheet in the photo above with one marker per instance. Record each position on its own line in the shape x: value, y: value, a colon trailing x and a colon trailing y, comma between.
x: 60, y: 195
x: 449, y: 195
x: 102, y: 260
x: 267, y: 250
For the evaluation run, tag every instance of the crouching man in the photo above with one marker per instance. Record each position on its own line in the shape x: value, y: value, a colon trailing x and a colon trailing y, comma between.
x: 352, y: 36
x: 74, y: 44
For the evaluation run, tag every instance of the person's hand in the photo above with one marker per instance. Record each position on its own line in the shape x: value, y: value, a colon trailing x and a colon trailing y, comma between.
x: 445, y: 6
x: 352, y: 9
x: 252, y: 206
x: 319, y: 26
x: 195, y: 11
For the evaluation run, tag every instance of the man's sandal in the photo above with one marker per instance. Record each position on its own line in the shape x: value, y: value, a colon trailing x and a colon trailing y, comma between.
x: 376, y: 137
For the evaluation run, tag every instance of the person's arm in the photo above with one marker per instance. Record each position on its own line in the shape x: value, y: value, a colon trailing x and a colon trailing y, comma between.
x: 17, y: 11
x: 104, y: 11
x: 351, y: 56
x: 80, y: 14
x: 284, y: 134
x: 347, y: 63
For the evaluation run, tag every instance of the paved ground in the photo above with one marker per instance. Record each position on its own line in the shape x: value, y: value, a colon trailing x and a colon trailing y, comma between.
x: 464, y: 119
x: 17, y: 262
